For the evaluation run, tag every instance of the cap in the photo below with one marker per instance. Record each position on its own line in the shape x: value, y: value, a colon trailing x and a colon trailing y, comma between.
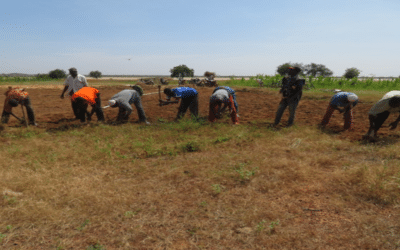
x: 352, y: 98
x: 138, y: 89
x: 112, y: 103
x: 73, y: 69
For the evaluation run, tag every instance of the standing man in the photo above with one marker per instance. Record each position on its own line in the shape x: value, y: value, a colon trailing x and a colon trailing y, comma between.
x: 84, y: 97
x: 189, y: 99
x: 123, y: 101
x: 15, y: 96
x: 73, y: 83
x: 378, y: 114
x: 292, y: 90
x: 226, y: 96
x: 345, y: 100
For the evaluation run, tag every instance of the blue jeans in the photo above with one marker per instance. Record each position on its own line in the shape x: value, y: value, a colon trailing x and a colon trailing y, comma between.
x: 292, y: 110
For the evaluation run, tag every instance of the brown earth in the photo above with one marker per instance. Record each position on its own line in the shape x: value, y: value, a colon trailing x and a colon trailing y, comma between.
x: 257, y: 107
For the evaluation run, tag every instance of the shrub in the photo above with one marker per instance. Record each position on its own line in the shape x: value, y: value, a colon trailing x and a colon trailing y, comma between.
x: 95, y: 74
x: 57, y: 74
x: 351, y: 73
x: 182, y: 70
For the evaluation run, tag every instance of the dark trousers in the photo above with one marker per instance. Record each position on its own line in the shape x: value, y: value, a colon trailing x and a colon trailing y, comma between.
x: 190, y: 102
x: 82, y: 112
x: 376, y: 121
x: 75, y: 109
x: 29, y: 110
x: 292, y: 110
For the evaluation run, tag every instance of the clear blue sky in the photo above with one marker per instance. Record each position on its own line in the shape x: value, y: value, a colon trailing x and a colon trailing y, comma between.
x: 227, y: 37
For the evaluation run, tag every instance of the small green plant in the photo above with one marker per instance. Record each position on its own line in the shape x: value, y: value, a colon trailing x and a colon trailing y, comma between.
x: 244, y: 174
x: 84, y: 224
x: 261, y: 226
x: 191, y: 146
x: 10, y: 200
x: 216, y: 188
x: 272, y: 226
x: 222, y: 139
x: 203, y: 204
x: 2, y: 236
x: 97, y: 246
x: 9, y: 227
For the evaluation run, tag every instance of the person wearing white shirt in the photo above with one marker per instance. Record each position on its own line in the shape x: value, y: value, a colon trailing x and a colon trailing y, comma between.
x: 380, y: 112
x: 73, y: 83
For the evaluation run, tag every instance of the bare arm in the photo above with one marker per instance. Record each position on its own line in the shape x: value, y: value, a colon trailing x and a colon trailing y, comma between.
x: 63, y: 92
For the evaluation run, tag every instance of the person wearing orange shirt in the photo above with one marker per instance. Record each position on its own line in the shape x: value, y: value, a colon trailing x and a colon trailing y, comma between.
x: 15, y: 96
x: 83, y: 98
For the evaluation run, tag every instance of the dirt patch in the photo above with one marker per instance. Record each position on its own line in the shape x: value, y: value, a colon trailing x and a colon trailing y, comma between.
x: 257, y: 107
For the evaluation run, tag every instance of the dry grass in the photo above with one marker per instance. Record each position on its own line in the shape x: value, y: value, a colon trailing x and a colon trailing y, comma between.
x: 196, y: 186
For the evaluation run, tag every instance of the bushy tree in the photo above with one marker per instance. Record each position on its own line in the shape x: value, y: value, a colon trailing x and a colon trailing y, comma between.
x: 95, y: 74
x: 283, y: 68
x: 181, y: 70
x: 57, y: 74
x: 314, y: 70
x: 351, y: 73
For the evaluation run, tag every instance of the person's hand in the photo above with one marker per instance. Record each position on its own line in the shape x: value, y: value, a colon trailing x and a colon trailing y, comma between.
x: 393, y: 125
x: 341, y: 111
x: 62, y: 96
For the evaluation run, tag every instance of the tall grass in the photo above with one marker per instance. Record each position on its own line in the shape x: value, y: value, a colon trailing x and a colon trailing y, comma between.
x: 322, y: 83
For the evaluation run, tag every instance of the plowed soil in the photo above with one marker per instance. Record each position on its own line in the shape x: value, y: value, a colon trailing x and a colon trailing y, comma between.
x: 257, y: 107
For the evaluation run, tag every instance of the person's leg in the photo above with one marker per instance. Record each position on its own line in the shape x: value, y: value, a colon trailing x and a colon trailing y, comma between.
x: 75, y: 109
x: 185, y: 102
x: 194, y: 107
x: 212, y: 114
x: 282, y: 106
x: 139, y: 108
x: 348, y: 119
x: 5, y: 117
x: 379, y: 120
x: 327, y: 116
x: 29, y: 111
x: 292, y: 111
x: 233, y: 112
x: 81, y: 108
x: 98, y: 109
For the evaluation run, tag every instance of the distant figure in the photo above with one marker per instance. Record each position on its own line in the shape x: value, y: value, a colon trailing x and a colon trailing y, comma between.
x: 84, y: 97
x: 15, y: 96
x: 189, y: 99
x: 378, y: 114
x: 345, y: 100
x: 123, y: 101
x: 73, y: 83
x: 226, y: 96
x: 292, y: 90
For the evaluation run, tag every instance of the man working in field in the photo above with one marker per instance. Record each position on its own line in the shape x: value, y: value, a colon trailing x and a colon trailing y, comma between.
x: 344, y: 100
x: 15, y: 96
x: 84, y: 97
x: 292, y: 90
x: 73, y: 83
x: 189, y: 99
x: 380, y: 112
x: 223, y: 95
x: 123, y: 101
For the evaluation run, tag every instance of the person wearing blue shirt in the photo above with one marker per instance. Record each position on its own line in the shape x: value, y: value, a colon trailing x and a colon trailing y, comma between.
x: 189, y: 99
x: 345, y: 100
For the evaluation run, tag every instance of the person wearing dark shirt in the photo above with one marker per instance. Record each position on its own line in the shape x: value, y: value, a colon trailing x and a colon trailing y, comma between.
x: 292, y: 90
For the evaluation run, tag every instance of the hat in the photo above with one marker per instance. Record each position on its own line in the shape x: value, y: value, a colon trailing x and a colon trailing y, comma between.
x: 73, y: 69
x: 138, y: 89
x: 112, y: 103
x: 352, y: 98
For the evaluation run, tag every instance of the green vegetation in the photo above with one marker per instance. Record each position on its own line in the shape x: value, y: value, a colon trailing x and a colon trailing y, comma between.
x: 95, y: 74
x: 182, y: 70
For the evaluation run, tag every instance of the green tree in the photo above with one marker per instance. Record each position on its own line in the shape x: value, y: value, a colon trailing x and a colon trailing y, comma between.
x: 283, y: 68
x: 95, y: 74
x: 351, y: 73
x: 314, y: 70
x: 57, y: 74
x: 181, y: 70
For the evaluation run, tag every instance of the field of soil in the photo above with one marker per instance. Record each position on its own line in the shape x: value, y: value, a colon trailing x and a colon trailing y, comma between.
x: 257, y: 107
